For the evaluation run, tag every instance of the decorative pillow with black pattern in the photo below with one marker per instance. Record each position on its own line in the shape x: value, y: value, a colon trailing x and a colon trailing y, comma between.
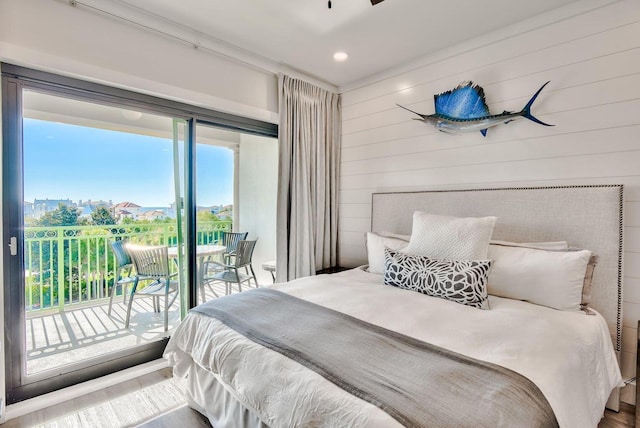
x: 460, y: 281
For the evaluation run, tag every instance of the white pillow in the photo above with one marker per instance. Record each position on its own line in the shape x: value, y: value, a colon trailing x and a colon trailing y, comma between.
x: 553, y: 245
x: 549, y: 278
x: 395, y: 235
x: 451, y: 238
x: 376, y: 244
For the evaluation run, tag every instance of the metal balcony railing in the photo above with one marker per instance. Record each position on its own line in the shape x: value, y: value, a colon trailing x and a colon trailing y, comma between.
x: 72, y: 265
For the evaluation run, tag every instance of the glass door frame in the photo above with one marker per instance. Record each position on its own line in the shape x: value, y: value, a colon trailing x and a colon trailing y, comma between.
x: 14, y: 80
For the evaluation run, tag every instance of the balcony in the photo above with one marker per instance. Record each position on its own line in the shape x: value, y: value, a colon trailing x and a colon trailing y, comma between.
x: 69, y: 272
x: 75, y: 145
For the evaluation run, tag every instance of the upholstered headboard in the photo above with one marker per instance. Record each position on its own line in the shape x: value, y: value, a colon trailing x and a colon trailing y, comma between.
x: 588, y: 217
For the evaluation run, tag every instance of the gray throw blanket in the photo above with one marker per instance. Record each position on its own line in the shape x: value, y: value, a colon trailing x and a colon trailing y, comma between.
x: 416, y: 383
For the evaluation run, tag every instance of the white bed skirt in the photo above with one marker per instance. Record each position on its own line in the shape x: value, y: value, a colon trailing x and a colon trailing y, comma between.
x: 208, y: 396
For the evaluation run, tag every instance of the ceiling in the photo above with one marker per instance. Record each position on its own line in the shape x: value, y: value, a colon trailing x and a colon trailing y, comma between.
x: 304, y: 34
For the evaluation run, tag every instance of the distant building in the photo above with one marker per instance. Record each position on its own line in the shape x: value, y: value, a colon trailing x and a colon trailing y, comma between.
x: 133, y: 211
x: 86, y: 208
x: 85, y: 211
x: 125, y: 205
x: 225, y: 213
x: 142, y: 212
x: 124, y: 210
x: 43, y: 206
x: 121, y: 214
x: 152, y: 215
x: 95, y: 204
x: 28, y: 209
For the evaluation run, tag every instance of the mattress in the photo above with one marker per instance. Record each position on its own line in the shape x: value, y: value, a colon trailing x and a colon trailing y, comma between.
x: 568, y: 355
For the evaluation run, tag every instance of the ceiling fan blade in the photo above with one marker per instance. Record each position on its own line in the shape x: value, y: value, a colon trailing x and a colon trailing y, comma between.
x: 375, y: 2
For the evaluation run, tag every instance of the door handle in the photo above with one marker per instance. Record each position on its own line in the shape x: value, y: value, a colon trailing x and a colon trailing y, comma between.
x: 13, y: 246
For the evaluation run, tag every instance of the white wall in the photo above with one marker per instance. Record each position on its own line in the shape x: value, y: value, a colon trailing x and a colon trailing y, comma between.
x: 258, y: 187
x: 591, y: 57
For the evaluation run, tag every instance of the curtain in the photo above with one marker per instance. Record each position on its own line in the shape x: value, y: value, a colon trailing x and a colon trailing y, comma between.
x: 309, y: 136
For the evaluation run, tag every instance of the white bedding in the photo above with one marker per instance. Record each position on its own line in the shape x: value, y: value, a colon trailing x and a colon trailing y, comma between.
x: 568, y: 355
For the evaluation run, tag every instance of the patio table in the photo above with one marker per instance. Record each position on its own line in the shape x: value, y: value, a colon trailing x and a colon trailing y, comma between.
x: 202, y: 252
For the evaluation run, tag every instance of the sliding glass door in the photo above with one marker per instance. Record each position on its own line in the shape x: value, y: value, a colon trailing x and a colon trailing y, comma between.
x: 87, y: 167
x: 236, y: 188
x: 92, y: 174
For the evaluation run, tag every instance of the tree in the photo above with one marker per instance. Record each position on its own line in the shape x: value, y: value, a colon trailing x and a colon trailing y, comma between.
x: 206, y: 216
x: 102, y: 216
x: 64, y: 215
x: 43, y: 255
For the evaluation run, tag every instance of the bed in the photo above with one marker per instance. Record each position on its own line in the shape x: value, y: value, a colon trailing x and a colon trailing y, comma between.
x: 565, y: 359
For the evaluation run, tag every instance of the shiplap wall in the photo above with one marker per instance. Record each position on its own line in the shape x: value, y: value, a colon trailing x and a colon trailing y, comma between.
x: 592, y: 59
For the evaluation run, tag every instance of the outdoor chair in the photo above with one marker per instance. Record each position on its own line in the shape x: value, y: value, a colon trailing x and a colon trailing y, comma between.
x: 123, y: 264
x: 229, y: 273
x: 230, y: 241
x: 152, y: 263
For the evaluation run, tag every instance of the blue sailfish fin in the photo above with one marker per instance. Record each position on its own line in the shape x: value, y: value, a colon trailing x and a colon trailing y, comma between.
x: 526, y: 110
x: 464, y: 102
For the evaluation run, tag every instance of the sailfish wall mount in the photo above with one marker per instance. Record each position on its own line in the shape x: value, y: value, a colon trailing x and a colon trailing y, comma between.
x: 464, y: 109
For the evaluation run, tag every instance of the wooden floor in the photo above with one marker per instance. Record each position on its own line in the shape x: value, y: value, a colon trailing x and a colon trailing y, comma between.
x: 156, y: 400
x: 624, y: 419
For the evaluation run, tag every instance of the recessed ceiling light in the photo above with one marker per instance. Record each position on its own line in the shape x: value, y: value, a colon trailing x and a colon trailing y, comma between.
x: 340, y: 56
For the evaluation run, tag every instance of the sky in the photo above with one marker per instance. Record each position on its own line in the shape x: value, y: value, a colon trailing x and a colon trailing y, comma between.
x: 64, y: 161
